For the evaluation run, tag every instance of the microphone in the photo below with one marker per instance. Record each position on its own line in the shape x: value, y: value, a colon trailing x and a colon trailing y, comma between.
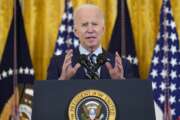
x: 83, y: 60
x: 101, y: 60
x: 92, y: 67
x: 91, y: 73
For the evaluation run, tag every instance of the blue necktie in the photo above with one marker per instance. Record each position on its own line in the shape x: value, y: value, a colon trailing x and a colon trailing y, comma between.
x: 93, y: 58
x: 92, y: 74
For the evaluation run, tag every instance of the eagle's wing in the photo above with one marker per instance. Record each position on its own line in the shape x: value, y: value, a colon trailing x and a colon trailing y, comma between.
x: 98, y: 110
x: 86, y: 112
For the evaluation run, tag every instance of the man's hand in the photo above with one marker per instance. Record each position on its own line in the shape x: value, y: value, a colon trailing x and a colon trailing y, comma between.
x: 67, y: 70
x: 117, y: 72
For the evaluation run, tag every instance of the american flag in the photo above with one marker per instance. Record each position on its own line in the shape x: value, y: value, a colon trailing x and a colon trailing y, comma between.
x: 165, y: 67
x: 66, y: 38
x: 16, y: 69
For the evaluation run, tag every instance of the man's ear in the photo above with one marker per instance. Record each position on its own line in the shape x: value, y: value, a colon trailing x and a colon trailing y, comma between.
x: 75, y: 31
x: 103, y: 29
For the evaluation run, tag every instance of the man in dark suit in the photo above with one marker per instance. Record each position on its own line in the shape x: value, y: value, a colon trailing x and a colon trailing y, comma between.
x: 89, y: 28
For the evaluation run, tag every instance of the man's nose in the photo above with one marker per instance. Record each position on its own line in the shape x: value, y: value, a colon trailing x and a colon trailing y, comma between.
x: 90, y: 29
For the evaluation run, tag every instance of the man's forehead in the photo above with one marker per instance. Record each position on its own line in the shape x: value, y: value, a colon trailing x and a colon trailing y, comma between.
x: 87, y: 7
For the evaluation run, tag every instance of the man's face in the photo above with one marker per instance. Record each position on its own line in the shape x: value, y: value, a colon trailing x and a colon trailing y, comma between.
x: 89, y: 27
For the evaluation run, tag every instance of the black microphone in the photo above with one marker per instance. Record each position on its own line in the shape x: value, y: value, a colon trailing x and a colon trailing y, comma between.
x: 84, y: 61
x: 101, y: 60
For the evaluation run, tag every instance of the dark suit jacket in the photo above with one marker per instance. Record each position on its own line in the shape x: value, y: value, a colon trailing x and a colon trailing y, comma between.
x: 56, y: 64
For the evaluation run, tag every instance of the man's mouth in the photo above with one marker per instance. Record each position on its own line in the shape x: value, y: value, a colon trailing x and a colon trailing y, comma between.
x: 92, y: 37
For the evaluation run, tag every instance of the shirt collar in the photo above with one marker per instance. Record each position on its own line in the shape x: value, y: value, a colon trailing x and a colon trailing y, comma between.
x: 83, y: 50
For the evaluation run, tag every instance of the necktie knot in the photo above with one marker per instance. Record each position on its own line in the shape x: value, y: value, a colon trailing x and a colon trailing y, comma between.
x: 93, y: 58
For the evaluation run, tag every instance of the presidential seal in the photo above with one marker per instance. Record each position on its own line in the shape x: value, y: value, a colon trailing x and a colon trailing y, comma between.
x: 92, y: 105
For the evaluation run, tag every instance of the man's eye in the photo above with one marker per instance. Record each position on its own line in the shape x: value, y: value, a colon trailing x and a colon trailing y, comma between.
x: 85, y: 24
x: 94, y: 24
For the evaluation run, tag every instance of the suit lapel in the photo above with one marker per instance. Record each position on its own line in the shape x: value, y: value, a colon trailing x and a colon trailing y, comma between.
x: 104, y: 73
x: 80, y: 74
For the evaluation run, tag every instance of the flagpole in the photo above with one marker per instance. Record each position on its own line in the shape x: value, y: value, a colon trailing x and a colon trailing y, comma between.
x: 123, y: 28
x: 167, y: 108
x: 15, y: 112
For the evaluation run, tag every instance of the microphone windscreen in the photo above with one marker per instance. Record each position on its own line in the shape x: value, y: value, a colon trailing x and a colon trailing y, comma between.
x: 101, y: 59
x: 82, y: 59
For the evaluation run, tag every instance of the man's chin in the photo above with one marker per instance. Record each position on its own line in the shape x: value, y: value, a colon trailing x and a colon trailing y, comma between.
x: 93, y: 46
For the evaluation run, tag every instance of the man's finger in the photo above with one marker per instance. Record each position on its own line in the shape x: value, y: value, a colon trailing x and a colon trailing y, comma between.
x: 67, y: 64
x: 68, y: 56
x: 109, y: 66
x: 120, y: 67
x: 69, y: 51
x: 118, y: 59
x: 76, y: 67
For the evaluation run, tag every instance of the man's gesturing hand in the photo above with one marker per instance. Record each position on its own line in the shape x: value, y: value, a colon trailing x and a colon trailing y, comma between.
x: 117, y: 72
x: 67, y: 69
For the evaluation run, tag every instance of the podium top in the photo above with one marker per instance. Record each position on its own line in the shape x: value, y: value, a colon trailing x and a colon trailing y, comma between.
x: 133, y: 98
